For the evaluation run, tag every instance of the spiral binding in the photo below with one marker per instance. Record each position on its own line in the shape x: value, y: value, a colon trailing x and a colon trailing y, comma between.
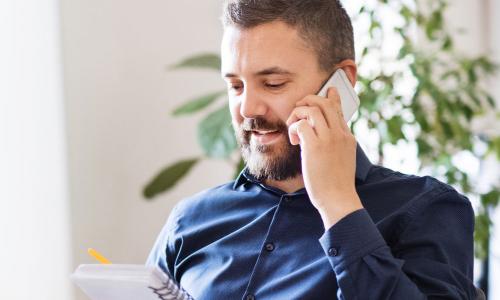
x: 171, y: 291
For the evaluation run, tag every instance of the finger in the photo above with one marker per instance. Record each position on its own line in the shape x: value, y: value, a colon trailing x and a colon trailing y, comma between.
x: 334, y: 96
x: 301, y: 133
x: 326, y: 105
x: 313, y: 115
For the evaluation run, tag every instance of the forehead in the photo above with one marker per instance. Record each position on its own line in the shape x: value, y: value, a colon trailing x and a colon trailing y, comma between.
x: 273, y: 44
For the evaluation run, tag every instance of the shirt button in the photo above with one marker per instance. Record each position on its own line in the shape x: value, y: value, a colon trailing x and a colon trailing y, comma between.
x: 250, y: 297
x: 287, y: 199
x: 269, y: 247
x: 333, y: 251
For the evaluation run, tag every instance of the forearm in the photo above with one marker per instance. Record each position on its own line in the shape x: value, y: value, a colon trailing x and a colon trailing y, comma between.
x: 366, y: 268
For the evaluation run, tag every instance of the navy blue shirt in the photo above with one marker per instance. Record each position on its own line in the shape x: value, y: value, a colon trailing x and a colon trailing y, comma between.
x: 246, y: 240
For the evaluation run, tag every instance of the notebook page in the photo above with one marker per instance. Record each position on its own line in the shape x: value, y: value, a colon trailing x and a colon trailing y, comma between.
x: 125, y: 282
x: 102, y: 289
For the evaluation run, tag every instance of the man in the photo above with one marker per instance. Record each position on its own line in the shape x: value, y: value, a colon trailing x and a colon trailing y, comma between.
x: 310, y: 217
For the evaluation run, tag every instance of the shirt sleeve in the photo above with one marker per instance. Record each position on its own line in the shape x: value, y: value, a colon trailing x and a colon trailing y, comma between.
x: 430, y: 257
x: 162, y: 253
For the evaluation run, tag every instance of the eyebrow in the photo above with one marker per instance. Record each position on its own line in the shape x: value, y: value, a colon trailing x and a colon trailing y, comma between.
x: 268, y: 71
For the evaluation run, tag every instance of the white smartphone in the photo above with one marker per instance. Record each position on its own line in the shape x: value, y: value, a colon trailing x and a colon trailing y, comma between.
x: 348, y: 97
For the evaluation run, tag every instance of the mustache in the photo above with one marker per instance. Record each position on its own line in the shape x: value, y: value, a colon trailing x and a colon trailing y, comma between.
x: 262, y: 124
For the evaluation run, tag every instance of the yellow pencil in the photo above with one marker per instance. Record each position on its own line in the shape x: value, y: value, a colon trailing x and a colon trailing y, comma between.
x: 98, y: 256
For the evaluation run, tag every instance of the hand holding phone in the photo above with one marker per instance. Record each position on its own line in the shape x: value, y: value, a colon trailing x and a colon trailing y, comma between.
x: 328, y: 152
x: 348, y: 97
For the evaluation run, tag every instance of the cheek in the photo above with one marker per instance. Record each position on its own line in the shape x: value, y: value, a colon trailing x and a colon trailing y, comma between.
x: 234, y: 109
x: 283, y: 110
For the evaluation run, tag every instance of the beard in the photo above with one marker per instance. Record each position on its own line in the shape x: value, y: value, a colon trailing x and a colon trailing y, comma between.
x: 277, y: 161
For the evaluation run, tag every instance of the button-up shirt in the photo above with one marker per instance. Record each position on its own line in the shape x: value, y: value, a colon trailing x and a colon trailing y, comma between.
x: 246, y: 240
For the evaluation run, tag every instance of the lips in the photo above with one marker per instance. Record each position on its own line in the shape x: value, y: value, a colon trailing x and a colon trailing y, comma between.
x: 262, y: 132
x: 265, y: 137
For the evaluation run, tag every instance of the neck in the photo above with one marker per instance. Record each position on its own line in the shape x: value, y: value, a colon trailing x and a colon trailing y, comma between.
x: 289, y: 185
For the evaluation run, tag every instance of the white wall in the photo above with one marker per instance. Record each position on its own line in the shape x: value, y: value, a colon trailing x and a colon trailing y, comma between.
x: 119, y: 97
x: 34, y: 223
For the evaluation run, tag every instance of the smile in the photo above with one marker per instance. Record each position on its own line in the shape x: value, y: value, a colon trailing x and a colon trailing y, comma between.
x: 266, y: 137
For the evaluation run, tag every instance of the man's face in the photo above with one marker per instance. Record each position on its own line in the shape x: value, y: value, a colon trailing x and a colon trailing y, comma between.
x: 268, y: 69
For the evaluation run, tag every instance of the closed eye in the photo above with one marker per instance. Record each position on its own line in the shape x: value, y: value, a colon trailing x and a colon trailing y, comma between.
x: 235, y: 86
x: 275, y: 86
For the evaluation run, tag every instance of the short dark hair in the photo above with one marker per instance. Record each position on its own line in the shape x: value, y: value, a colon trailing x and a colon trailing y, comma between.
x: 324, y: 24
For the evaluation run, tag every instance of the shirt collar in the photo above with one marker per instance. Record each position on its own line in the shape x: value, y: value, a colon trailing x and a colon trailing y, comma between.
x: 363, y: 166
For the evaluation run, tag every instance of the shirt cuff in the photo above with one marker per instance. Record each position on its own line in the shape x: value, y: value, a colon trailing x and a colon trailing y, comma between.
x: 351, y: 238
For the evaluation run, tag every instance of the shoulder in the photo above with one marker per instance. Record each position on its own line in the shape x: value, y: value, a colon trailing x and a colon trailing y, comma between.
x: 412, y: 186
x: 206, y: 197
x: 203, y: 203
x: 410, y: 195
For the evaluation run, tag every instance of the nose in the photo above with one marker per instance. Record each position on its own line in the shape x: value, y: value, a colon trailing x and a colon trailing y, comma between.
x: 252, y: 105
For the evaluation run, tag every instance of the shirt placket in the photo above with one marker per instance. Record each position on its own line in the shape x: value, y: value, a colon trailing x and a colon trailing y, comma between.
x: 267, y: 247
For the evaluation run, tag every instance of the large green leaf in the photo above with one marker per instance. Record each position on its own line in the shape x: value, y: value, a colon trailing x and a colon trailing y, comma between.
x: 197, y: 104
x: 168, y: 177
x: 207, y: 60
x: 216, y: 135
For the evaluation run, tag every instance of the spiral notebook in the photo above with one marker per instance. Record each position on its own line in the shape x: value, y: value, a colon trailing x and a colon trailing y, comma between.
x: 127, y: 282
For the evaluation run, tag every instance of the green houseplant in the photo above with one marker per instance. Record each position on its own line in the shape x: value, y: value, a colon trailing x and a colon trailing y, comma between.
x: 433, y: 113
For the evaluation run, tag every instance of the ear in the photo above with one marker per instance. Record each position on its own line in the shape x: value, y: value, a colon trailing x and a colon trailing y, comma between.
x: 350, y: 69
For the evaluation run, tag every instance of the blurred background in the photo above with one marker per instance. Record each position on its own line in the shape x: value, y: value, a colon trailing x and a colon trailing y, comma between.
x: 86, y: 98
